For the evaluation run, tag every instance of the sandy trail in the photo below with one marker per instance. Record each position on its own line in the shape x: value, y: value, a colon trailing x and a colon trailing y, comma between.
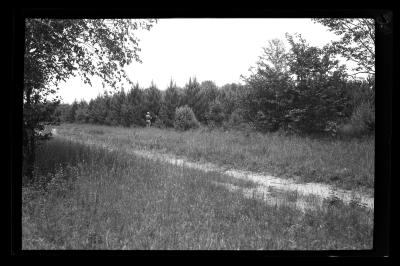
x: 308, y: 195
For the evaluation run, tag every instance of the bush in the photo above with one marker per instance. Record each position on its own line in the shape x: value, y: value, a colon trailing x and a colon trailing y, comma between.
x: 348, y: 131
x: 364, y: 117
x: 362, y: 121
x: 164, y: 119
x: 237, y: 121
x: 215, y: 115
x: 237, y: 117
x: 159, y: 123
x: 81, y: 115
x: 185, y: 118
x: 331, y: 128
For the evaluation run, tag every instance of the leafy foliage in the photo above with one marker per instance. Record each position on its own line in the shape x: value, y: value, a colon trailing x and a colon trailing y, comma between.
x: 215, y: 115
x: 185, y: 118
x: 361, y: 122
x: 357, y: 41
x: 301, y: 90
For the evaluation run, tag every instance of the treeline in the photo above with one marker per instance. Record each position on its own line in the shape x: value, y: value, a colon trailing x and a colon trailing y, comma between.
x: 210, y: 104
x: 302, y: 90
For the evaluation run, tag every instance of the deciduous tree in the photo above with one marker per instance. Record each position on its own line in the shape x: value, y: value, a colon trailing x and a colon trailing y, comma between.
x: 56, y: 49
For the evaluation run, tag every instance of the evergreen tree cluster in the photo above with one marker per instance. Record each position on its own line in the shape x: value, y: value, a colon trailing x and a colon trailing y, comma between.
x: 129, y: 108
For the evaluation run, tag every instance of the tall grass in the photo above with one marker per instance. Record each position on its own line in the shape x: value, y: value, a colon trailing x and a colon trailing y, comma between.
x: 95, y: 199
x: 346, y: 164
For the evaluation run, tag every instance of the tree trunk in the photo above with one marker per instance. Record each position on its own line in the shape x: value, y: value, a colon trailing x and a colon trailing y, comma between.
x: 29, y: 139
x: 30, y: 154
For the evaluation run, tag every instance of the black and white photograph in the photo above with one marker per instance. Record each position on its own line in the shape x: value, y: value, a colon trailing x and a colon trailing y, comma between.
x: 198, y: 133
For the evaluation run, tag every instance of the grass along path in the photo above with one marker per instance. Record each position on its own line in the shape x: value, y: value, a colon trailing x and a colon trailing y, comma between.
x: 344, y: 164
x: 88, y: 197
x: 307, y: 195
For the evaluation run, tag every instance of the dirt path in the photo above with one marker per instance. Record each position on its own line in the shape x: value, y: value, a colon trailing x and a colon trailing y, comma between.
x: 307, y: 195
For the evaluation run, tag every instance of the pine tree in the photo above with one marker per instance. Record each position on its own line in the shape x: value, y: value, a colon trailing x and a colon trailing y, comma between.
x: 192, y: 98
x: 171, y: 102
x: 153, y: 101
x: 136, y: 106
x: 114, y: 115
x: 72, y: 112
x: 98, y: 109
x: 82, y: 115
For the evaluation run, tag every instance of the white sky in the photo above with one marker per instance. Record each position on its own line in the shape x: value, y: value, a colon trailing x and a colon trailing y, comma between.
x: 210, y: 49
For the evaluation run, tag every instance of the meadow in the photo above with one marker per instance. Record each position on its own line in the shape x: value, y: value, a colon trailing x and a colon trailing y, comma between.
x: 347, y: 164
x: 88, y: 197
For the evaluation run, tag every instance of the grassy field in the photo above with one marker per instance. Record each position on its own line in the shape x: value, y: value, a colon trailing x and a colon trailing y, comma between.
x: 345, y: 164
x: 91, y: 198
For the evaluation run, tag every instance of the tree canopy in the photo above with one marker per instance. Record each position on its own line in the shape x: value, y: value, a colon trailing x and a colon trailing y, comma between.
x: 55, y: 49
x: 357, y: 42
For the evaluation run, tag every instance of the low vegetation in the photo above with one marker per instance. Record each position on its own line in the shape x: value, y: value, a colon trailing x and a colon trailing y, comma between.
x: 185, y: 118
x: 90, y: 198
x: 345, y: 164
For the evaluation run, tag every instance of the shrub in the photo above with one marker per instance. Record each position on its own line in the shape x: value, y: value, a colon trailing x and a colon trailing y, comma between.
x: 363, y: 116
x: 331, y: 128
x: 164, y: 118
x: 348, y: 131
x: 81, y: 115
x: 362, y: 121
x: 215, y: 114
x: 185, y: 118
x: 237, y: 117
x: 160, y: 123
x: 237, y: 121
x: 265, y: 122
